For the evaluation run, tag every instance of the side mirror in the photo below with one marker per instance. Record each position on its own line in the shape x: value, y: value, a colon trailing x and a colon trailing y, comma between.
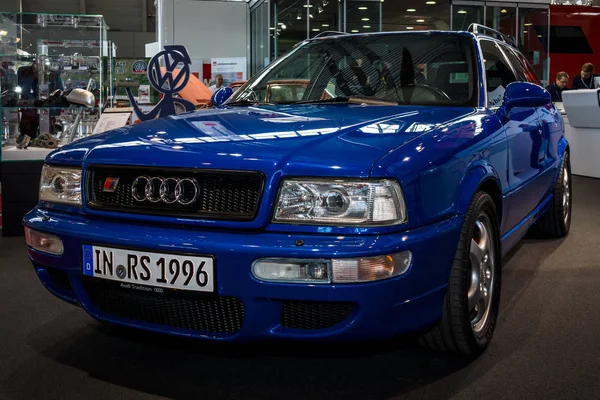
x: 221, y: 96
x: 525, y: 94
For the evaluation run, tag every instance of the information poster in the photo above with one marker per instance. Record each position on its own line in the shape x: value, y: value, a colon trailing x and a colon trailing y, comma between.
x: 134, y: 70
x: 144, y: 94
x: 233, y: 69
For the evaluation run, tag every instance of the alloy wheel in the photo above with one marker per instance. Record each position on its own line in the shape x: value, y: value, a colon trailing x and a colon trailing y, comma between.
x: 483, y: 263
x: 566, y: 200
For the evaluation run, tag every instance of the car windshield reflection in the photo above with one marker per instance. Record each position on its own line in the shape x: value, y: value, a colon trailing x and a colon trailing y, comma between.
x: 383, y: 69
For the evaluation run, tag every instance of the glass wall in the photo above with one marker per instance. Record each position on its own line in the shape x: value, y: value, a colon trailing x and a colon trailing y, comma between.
x: 259, y: 37
x: 502, y: 18
x: 421, y: 15
x: 291, y: 21
x: 465, y: 14
x: 527, y: 24
x: 533, y: 39
x: 323, y: 15
x: 363, y: 16
x: 288, y: 24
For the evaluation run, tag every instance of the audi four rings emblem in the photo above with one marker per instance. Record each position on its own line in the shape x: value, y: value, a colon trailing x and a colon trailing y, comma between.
x: 157, y: 189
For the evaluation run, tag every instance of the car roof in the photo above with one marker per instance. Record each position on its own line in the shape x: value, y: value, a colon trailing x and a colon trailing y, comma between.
x: 474, y: 31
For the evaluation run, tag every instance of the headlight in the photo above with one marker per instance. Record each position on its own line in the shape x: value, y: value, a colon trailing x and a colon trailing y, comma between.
x: 61, y: 185
x: 341, y: 202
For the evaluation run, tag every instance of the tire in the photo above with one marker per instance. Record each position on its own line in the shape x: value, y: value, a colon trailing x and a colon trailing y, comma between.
x: 556, y: 222
x: 466, y: 326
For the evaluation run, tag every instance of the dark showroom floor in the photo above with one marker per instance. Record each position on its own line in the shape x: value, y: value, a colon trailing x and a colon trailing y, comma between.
x: 547, y: 345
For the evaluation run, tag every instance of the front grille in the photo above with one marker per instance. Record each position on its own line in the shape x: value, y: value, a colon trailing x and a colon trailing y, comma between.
x: 313, y: 315
x: 228, y: 195
x: 216, y: 315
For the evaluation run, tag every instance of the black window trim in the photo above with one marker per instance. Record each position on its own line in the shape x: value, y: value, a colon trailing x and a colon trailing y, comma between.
x: 512, y: 68
x: 507, y: 49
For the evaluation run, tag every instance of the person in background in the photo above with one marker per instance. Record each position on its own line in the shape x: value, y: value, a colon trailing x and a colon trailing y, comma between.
x: 218, y: 83
x: 586, y: 79
x: 556, y: 89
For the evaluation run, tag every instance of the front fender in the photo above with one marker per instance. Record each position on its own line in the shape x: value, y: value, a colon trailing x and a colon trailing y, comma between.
x: 481, y: 174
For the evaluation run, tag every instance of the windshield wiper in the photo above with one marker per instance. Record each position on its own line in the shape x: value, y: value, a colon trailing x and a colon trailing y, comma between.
x: 246, y: 102
x: 352, y: 100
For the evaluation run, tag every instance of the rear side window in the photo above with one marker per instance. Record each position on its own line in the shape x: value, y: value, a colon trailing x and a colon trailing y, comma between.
x: 516, y: 63
x: 498, y: 72
x: 531, y: 75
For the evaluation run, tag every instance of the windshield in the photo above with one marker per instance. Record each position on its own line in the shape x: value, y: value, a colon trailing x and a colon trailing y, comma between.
x: 414, y: 68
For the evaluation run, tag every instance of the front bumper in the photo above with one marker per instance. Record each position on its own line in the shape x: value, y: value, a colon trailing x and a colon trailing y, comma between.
x: 262, y: 310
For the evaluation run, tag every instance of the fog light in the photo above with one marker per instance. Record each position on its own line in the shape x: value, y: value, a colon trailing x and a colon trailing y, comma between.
x: 347, y: 270
x: 337, y: 270
x: 43, y: 242
x: 279, y: 269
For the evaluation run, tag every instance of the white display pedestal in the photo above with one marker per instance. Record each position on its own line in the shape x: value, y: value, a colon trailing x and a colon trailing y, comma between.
x: 582, y: 129
x: 11, y: 153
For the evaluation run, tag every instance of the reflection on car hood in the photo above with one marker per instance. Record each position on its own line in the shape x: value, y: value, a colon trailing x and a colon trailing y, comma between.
x: 338, y: 139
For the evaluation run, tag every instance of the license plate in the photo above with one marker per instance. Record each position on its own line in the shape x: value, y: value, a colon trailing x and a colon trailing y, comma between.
x: 152, y: 269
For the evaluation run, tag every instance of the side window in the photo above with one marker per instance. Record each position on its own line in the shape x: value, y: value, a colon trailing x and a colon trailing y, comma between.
x: 498, y: 73
x: 516, y: 63
x: 531, y: 75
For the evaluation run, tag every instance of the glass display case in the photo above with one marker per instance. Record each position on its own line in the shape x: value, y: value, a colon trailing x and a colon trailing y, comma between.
x: 45, y: 61
x: 55, y: 74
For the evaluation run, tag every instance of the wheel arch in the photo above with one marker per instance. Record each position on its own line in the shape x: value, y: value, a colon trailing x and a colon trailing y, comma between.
x: 484, y: 177
x: 563, y: 148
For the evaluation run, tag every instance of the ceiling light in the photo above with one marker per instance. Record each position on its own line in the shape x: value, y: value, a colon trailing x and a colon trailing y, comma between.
x: 364, y: 19
x: 420, y: 20
x: 316, y: 29
x: 528, y: 24
x: 411, y: 10
x: 430, y: 2
x: 354, y: 30
x: 283, y: 26
x: 410, y: 28
x: 362, y: 8
x: 272, y: 28
x: 325, y: 25
x: 462, y: 11
x: 539, y: 35
x: 503, y: 11
x: 307, y: 5
x: 525, y: 32
x: 3, y: 32
x: 366, y: 26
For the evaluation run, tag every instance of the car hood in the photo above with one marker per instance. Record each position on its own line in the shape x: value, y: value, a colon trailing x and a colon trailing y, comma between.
x: 332, y: 139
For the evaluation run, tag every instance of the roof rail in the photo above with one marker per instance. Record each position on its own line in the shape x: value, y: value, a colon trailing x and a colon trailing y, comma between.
x: 484, y: 30
x: 330, y: 33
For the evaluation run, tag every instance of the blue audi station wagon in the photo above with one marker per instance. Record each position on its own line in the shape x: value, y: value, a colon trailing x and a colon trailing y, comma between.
x: 359, y: 187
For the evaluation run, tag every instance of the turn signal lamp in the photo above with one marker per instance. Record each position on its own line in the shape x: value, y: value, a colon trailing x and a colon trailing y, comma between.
x: 43, y: 242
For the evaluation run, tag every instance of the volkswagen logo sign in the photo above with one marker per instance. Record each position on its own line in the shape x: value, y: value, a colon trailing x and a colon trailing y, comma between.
x: 157, y: 189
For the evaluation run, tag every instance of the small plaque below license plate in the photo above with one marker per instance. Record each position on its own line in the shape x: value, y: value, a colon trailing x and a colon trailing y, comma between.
x: 164, y: 270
